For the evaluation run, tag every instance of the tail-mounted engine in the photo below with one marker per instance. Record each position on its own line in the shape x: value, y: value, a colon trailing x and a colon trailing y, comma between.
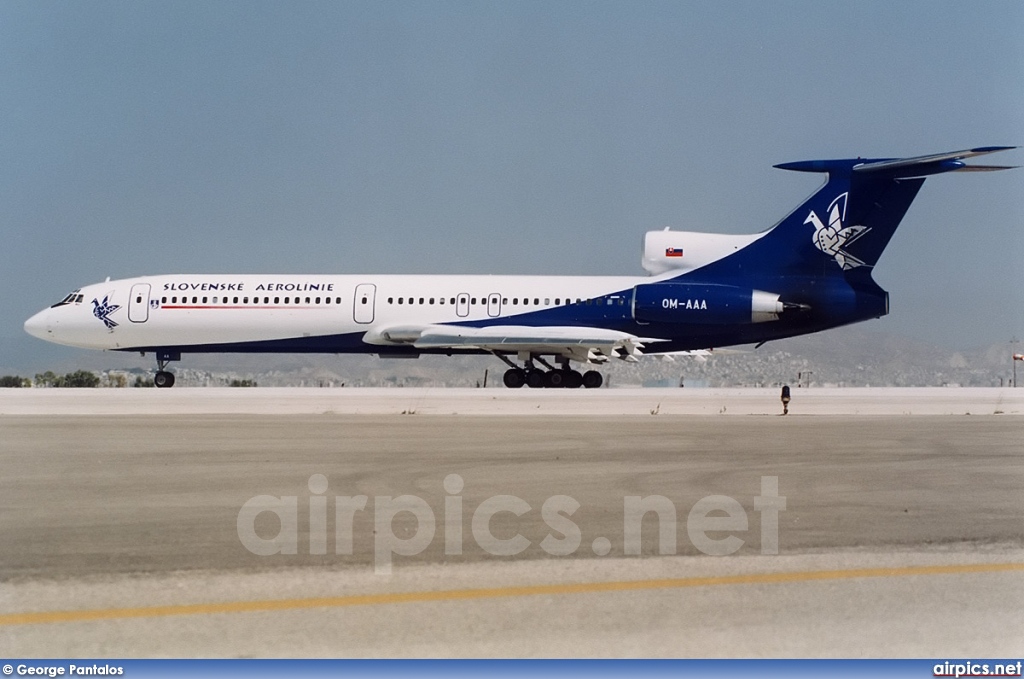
x: 697, y: 303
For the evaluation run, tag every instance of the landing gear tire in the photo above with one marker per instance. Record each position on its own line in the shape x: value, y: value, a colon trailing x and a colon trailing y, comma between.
x: 535, y: 379
x: 592, y: 379
x: 163, y: 379
x: 573, y: 379
x: 554, y: 379
x: 514, y: 378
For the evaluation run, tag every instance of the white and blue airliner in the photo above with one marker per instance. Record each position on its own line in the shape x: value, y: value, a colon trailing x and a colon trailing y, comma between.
x: 810, y: 272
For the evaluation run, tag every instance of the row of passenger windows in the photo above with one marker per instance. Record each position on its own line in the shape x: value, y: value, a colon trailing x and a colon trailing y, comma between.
x: 525, y: 301
x: 516, y: 301
x: 245, y: 300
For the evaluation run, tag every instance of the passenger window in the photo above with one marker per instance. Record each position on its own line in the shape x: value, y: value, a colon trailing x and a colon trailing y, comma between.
x: 431, y: 301
x: 504, y: 300
x: 473, y: 301
x: 138, y: 300
x: 536, y: 301
x: 547, y: 301
x: 441, y: 300
x: 515, y: 301
x: 400, y: 300
x: 163, y: 300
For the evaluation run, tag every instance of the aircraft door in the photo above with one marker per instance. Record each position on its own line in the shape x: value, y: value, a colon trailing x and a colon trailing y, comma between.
x: 363, y: 303
x: 632, y: 305
x: 462, y: 304
x: 494, y: 305
x: 138, y: 303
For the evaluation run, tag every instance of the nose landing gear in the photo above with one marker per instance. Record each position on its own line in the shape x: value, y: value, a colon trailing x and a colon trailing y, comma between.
x: 164, y: 379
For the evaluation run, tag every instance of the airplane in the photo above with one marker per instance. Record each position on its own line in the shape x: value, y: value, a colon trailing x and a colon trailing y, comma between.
x: 808, y: 273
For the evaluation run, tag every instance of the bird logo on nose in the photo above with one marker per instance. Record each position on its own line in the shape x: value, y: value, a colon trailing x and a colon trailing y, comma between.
x: 102, y: 311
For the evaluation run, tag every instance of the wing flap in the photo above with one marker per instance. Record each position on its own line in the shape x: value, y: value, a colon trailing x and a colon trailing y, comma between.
x: 583, y: 344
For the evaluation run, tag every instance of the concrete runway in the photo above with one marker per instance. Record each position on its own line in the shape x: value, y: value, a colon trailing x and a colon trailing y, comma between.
x: 900, y: 536
x: 501, y: 401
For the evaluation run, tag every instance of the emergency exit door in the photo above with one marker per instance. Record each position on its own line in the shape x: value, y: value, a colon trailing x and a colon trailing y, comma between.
x: 362, y: 303
x: 138, y: 303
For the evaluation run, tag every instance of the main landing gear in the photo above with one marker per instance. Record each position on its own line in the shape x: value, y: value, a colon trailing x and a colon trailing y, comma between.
x: 552, y: 378
x: 164, y: 379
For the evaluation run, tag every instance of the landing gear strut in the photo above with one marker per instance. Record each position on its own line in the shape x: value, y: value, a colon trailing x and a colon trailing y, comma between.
x: 164, y: 379
x: 549, y: 378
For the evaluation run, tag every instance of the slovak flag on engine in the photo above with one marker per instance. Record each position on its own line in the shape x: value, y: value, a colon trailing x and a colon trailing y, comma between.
x: 673, y: 252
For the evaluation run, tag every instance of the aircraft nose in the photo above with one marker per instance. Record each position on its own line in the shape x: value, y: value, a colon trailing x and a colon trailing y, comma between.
x: 39, y: 325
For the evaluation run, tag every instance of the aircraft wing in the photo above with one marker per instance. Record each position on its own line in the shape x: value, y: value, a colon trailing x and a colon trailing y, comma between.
x: 583, y: 344
x: 699, y: 355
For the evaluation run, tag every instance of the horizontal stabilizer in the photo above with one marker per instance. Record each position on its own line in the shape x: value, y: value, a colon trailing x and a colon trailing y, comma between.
x: 986, y: 168
x: 933, y: 164
x: 901, y: 168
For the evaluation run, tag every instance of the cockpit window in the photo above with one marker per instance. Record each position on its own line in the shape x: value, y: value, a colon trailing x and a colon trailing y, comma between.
x: 72, y: 298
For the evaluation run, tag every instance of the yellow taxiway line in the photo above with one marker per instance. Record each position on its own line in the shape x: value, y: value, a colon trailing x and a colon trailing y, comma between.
x: 492, y: 593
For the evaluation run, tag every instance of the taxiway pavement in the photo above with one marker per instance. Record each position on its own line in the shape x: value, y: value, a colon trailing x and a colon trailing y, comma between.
x: 900, y: 535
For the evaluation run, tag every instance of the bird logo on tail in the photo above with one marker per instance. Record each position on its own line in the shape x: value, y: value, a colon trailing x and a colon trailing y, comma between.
x: 834, y: 238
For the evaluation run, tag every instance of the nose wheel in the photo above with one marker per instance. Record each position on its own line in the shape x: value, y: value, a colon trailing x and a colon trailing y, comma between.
x: 164, y: 379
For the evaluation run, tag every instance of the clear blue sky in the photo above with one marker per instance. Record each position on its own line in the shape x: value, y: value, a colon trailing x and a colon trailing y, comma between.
x: 506, y: 137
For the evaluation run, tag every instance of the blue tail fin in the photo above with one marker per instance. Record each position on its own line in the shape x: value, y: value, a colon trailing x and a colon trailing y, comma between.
x: 844, y: 227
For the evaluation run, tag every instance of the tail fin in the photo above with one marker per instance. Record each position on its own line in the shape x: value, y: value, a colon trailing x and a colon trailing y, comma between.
x: 846, y: 224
